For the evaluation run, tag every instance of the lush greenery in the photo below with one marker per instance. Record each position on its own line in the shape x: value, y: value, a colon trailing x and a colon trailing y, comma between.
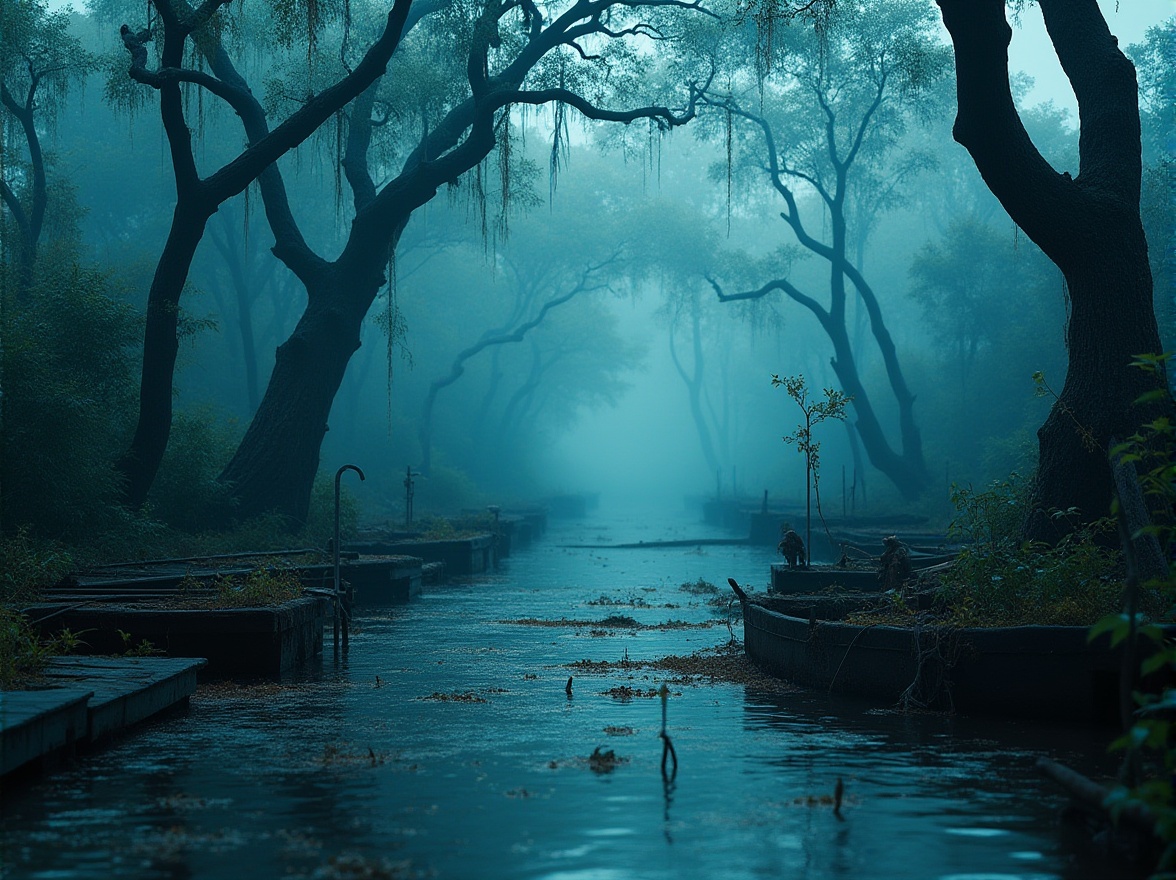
x: 23, y: 654
x: 262, y: 586
x: 1148, y: 779
x: 999, y: 579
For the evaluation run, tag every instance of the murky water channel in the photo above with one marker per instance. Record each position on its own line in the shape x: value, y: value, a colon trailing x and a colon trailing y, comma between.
x: 446, y: 746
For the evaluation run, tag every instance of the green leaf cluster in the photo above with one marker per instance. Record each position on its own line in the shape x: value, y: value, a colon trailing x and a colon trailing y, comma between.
x: 1152, y: 451
x: 69, y: 385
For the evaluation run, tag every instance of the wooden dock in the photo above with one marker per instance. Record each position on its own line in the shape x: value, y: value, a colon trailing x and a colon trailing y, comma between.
x: 261, y: 640
x: 87, y: 700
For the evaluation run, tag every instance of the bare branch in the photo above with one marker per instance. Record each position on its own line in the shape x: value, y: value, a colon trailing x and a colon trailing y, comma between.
x: 781, y: 284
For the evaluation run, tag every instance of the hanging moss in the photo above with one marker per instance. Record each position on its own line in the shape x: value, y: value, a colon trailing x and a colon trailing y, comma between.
x: 504, y: 158
x: 338, y: 165
x: 730, y: 143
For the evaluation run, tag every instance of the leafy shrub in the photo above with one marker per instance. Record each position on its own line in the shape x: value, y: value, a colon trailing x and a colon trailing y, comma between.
x: 69, y: 390
x: 998, y: 580
x: 1149, y: 742
x: 262, y: 586
x: 21, y: 653
x: 436, y: 528
x: 1073, y: 583
x: 23, y: 656
x: 186, y: 494
x: 446, y: 488
x: 27, y: 565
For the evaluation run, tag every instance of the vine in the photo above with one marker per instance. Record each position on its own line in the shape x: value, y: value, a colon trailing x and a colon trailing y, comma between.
x: 560, y: 149
x: 338, y: 165
x: 730, y: 139
x: 504, y: 157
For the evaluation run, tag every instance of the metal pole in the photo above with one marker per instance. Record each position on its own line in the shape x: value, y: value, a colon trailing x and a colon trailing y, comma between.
x: 408, y: 493
x: 338, y: 597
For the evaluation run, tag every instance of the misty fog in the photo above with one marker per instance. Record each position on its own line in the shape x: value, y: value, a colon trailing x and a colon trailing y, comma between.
x: 550, y: 321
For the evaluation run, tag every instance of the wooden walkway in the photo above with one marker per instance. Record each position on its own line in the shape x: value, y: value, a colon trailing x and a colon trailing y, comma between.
x: 88, y: 699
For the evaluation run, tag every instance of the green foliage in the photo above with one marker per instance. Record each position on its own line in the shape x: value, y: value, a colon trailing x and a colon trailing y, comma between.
x: 69, y: 385
x: 447, y: 488
x: 436, y: 528
x: 260, y: 587
x: 39, y: 51
x: 27, y: 565
x: 815, y: 412
x: 1072, y: 583
x: 998, y: 580
x: 990, y: 520
x: 832, y: 407
x: 143, y: 649
x: 1152, y: 450
x: 186, y: 494
x: 22, y: 654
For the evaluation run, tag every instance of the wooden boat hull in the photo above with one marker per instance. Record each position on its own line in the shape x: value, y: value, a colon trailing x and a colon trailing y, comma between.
x: 1046, y: 672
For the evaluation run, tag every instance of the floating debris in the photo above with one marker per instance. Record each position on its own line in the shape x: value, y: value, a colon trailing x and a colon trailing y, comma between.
x: 615, y: 621
x: 605, y: 762
x: 352, y: 866
x: 466, y: 697
x: 335, y: 754
x: 624, y: 693
x: 723, y: 663
x: 612, y: 730
x: 627, y: 602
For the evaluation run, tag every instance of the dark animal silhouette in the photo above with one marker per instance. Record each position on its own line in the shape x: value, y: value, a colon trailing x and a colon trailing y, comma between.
x: 895, y: 567
x: 792, y: 549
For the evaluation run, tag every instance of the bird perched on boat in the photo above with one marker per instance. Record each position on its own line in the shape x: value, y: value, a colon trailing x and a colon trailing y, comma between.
x: 791, y: 547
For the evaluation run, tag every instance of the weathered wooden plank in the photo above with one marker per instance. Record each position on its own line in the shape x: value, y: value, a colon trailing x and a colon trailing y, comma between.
x: 34, y: 724
x: 89, y: 698
x: 243, y: 641
x: 127, y: 690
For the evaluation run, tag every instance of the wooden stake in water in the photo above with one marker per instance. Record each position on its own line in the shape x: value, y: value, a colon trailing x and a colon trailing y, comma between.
x: 338, y: 597
x: 667, y: 746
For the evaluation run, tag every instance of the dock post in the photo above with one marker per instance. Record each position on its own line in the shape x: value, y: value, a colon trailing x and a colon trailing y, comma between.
x: 338, y: 595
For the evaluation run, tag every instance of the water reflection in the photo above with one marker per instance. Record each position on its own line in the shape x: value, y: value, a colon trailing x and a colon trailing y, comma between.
x: 468, y: 760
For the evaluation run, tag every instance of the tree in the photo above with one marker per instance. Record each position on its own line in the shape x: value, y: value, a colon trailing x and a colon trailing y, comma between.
x: 39, y: 61
x: 814, y: 412
x: 1088, y: 225
x: 841, y: 106
x: 512, y: 55
x: 515, y: 329
x: 197, y: 197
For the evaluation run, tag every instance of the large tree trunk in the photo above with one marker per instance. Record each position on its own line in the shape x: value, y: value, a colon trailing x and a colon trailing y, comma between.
x: 1111, y: 321
x: 275, y: 465
x: 693, y: 380
x: 139, y: 464
x: 1088, y: 225
x: 30, y: 222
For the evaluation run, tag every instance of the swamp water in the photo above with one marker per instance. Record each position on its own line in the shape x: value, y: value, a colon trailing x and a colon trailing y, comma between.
x: 445, y: 746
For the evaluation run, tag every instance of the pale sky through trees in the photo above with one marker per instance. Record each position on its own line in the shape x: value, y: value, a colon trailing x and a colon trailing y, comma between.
x: 1031, y: 51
